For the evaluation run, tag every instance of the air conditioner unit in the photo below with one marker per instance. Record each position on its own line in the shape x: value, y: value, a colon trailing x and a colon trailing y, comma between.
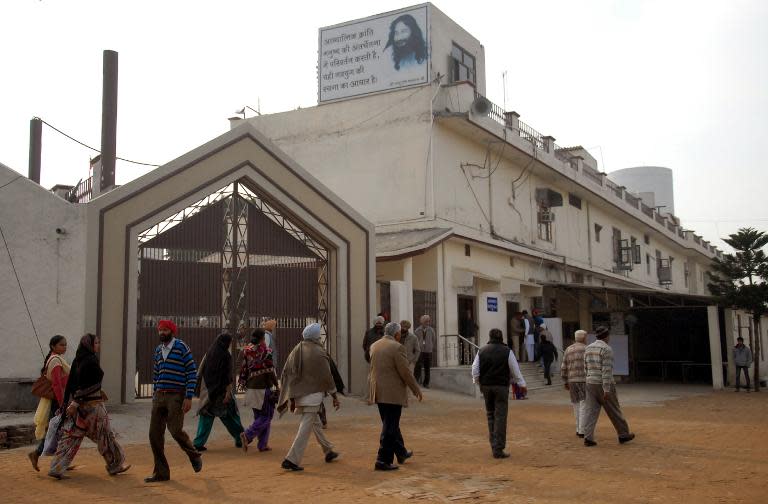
x: 546, y: 217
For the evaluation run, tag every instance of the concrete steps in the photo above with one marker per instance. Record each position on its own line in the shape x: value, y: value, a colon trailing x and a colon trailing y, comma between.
x: 534, y: 375
x: 459, y: 378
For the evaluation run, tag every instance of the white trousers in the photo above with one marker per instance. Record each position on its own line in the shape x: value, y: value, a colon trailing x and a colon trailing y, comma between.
x: 529, y: 349
x: 579, y: 412
x: 310, y: 423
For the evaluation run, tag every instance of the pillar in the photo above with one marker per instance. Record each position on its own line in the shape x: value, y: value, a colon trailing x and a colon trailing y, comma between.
x: 715, y: 353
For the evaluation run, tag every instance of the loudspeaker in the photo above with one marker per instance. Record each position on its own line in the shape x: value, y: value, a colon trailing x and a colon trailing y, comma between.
x: 481, y: 106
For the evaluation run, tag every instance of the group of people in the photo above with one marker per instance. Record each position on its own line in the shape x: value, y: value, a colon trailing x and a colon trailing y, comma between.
x: 396, y: 358
x: 77, y: 400
x: 530, y: 335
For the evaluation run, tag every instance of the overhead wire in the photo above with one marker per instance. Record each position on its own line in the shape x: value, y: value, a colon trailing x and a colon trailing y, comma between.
x: 88, y: 146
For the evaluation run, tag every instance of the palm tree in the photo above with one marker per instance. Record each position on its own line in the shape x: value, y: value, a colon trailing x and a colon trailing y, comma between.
x: 740, y: 280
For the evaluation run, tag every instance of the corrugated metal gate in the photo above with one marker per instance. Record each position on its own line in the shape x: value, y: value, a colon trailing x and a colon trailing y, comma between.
x: 231, y: 257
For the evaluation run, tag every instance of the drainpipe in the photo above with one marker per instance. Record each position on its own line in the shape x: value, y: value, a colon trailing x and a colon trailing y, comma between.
x: 108, y: 122
x: 35, y: 148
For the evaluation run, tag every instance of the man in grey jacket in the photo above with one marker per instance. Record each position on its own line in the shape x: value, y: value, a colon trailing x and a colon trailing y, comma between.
x: 742, y: 358
x: 428, y: 343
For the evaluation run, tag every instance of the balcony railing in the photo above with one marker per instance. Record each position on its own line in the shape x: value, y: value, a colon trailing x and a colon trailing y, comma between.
x: 82, y: 192
x: 592, y: 175
x: 632, y: 200
x: 613, y: 186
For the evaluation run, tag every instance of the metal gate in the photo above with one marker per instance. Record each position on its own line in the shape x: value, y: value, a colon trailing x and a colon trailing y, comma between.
x: 230, y: 258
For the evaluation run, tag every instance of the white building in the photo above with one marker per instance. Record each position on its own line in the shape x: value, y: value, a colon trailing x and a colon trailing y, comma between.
x: 476, y: 210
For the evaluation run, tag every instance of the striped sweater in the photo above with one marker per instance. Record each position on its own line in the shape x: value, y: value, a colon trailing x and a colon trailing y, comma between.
x: 177, y: 371
x: 598, y: 361
x: 572, y: 367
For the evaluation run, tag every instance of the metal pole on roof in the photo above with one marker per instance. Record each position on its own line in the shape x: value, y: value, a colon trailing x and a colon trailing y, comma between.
x: 108, y: 122
x: 35, y: 148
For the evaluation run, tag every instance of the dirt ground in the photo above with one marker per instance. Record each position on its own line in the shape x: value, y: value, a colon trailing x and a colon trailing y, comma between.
x: 701, y: 448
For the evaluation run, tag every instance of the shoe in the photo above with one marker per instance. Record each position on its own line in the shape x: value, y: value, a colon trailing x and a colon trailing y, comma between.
x: 580, y: 435
x: 244, y: 442
x: 57, y: 476
x: 201, y: 449
x: 155, y: 479
x: 626, y: 439
x: 331, y: 456
x: 549, y: 383
x: 266, y: 448
x: 120, y: 470
x: 287, y: 464
x: 405, y: 456
x: 197, y: 463
x: 501, y: 455
x: 589, y: 442
x: 426, y: 386
x: 34, y: 457
x: 383, y: 466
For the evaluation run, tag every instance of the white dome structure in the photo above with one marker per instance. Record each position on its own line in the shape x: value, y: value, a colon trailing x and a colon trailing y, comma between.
x: 652, y: 183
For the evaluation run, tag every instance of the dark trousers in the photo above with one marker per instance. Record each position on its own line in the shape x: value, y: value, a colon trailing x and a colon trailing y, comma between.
x: 496, y: 405
x: 425, y: 363
x: 596, y: 401
x: 231, y: 421
x: 547, y: 372
x: 167, y: 412
x: 391, y: 440
x: 738, y: 376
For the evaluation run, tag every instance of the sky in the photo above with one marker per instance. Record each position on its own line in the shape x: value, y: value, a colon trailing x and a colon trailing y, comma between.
x: 675, y: 83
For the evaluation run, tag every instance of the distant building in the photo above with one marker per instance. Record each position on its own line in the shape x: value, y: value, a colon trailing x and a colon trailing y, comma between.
x: 653, y: 184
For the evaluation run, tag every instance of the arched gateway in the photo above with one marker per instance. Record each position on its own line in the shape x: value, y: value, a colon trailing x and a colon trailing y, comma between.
x: 231, y: 232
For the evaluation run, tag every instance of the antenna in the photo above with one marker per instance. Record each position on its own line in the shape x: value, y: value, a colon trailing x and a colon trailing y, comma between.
x: 504, y: 85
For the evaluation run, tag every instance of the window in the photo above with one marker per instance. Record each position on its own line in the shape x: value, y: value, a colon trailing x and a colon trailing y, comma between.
x: 598, y: 228
x: 646, y: 239
x: 577, y: 278
x: 462, y: 65
x: 648, y: 264
x: 686, y: 272
x: 574, y: 201
x: 617, y: 246
x: 635, y: 251
x: 512, y: 261
x: 467, y: 251
x: 545, y: 219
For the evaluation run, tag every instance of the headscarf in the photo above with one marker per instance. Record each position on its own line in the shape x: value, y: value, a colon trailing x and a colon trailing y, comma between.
x: 85, y: 374
x: 378, y: 320
x: 217, y: 370
x: 269, y: 325
x: 167, y: 324
x: 312, y: 332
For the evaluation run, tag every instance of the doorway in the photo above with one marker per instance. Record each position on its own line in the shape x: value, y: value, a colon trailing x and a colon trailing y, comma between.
x: 467, y: 317
x: 513, y: 342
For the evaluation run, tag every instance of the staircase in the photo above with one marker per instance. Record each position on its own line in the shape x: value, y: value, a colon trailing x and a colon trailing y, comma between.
x: 534, y: 375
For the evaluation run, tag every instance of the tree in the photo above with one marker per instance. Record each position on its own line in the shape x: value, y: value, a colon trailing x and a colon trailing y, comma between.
x: 740, y: 280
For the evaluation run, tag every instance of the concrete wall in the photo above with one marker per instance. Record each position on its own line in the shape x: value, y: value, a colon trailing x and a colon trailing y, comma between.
x: 444, y: 33
x: 739, y: 323
x: 50, y: 267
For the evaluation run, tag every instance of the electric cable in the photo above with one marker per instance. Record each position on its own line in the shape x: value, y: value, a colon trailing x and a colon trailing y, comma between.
x: 21, y: 290
x: 88, y: 146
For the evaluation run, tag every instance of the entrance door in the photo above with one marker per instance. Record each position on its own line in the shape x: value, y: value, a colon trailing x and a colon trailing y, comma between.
x: 467, y: 316
x: 231, y: 258
x: 512, y: 308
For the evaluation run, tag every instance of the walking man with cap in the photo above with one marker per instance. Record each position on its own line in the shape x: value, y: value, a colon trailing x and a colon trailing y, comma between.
x: 495, y: 368
x: 388, y: 385
x: 175, y: 378
x: 601, y: 390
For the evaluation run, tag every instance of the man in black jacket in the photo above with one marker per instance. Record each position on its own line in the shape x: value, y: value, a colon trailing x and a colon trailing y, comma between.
x: 495, y: 367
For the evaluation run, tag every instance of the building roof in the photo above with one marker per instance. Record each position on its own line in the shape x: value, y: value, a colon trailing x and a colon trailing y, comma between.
x: 412, y: 241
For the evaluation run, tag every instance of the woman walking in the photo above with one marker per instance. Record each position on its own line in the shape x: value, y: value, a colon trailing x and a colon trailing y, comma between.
x: 56, y: 370
x: 217, y: 398
x: 257, y: 376
x: 86, y: 414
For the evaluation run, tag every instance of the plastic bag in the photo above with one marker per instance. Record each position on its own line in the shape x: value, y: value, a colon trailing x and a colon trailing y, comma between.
x: 52, y: 436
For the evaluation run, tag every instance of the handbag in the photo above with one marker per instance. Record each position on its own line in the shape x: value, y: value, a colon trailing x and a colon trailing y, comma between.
x: 43, y: 388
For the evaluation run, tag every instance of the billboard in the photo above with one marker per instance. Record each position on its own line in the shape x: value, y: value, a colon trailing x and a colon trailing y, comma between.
x: 379, y: 53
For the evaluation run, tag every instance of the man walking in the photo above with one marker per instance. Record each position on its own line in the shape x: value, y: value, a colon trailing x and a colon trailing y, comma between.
x: 306, y: 378
x: 530, y: 342
x: 388, y: 386
x: 601, y: 390
x: 175, y: 378
x: 742, y: 358
x: 495, y: 368
x: 548, y: 353
x: 516, y: 337
x: 411, y: 344
x: 428, y: 342
x: 573, y: 375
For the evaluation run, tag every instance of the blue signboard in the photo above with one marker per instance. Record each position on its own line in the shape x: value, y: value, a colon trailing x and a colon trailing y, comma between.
x: 493, y: 304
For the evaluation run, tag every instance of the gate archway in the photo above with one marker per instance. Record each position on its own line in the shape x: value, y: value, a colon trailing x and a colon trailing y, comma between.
x: 230, y: 258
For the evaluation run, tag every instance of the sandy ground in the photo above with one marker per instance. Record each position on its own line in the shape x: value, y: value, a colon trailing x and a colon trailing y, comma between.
x: 692, y: 445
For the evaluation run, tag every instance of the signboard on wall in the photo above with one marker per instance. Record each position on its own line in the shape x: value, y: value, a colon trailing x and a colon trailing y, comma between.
x: 493, y: 304
x: 379, y: 53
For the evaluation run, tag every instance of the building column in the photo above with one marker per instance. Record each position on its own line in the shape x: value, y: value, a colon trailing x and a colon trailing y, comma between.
x: 408, y: 279
x: 585, y: 314
x: 731, y: 333
x: 715, y: 353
